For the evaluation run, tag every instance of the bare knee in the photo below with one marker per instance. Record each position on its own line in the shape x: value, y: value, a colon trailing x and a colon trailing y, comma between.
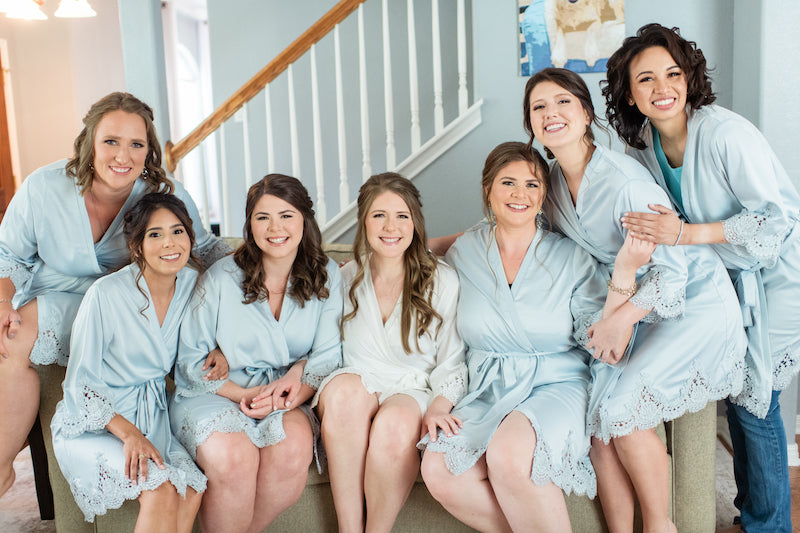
x: 227, y: 456
x: 440, y: 481
x: 162, y: 500
x: 344, y: 400
x: 394, y: 436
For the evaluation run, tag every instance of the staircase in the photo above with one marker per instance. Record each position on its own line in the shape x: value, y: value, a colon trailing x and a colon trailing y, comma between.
x: 370, y: 87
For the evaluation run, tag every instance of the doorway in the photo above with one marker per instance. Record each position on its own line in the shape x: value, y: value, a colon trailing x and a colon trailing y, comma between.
x: 7, y: 181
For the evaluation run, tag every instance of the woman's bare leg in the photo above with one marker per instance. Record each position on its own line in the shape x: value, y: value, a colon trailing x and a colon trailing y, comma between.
x: 230, y: 462
x: 283, y: 470
x: 614, y: 487
x: 469, y: 497
x: 19, y: 392
x: 158, y: 510
x: 346, y: 410
x: 392, y: 460
x: 509, y: 459
x: 187, y: 510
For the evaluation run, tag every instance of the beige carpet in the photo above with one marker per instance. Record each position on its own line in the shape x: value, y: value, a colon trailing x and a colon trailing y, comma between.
x: 19, y: 512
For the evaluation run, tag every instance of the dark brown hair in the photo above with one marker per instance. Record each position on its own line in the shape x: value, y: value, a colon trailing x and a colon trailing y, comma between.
x: 309, y: 271
x: 81, y: 166
x: 137, y: 219
x: 419, y: 263
x: 626, y: 119
x: 570, y: 82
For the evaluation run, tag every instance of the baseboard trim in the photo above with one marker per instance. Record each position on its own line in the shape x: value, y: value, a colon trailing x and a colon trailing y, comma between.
x: 797, y: 425
x: 794, y: 456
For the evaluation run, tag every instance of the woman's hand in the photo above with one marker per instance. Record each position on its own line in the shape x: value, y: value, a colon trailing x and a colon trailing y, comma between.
x: 438, y: 416
x: 609, y: 339
x: 634, y: 253
x: 218, y: 364
x: 257, y: 402
x: 9, y: 326
x: 661, y: 227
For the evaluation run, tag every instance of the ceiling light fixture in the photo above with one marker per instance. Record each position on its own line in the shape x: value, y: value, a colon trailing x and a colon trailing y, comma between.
x: 75, y: 9
x: 26, y: 9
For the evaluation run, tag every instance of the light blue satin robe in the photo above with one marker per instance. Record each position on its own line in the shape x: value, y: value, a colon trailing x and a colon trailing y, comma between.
x: 120, y: 356
x: 731, y: 174
x: 524, y: 353
x: 48, y: 252
x: 259, y: 350
x: 690, y: 349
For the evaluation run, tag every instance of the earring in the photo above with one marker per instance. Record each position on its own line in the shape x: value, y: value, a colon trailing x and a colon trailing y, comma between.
x: 145, y: 173
x: 91, y: 166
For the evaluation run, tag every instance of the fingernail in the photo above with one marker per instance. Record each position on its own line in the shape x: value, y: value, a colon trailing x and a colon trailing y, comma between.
x: 288, y: 404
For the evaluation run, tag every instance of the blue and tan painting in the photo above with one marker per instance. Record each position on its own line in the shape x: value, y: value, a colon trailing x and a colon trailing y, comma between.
x: 576, y: 34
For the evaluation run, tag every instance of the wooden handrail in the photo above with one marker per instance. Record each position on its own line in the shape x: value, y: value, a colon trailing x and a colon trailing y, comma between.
x: 173, y: 153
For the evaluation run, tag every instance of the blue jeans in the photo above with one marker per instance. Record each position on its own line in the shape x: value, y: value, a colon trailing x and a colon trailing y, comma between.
x: 761, y: 468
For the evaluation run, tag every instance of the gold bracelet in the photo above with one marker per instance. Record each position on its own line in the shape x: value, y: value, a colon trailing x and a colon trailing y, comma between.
x: 619, y: 290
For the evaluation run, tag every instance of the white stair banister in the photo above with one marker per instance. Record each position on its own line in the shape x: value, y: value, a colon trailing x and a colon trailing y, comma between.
x: 226, y: 228
x: 463, y: 95
x: 366, y: 165
x: 438, y: 106
x: 388, y: 96
x: 344, y: 189
x: 413, y: 78
x: 295, y: 144
x: 321, y: 207
x: 270, y: 137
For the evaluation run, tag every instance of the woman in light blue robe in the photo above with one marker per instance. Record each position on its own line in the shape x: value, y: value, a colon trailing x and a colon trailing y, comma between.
x: 111, y: 432
x: 731, y: 192
x: 524, y: 317
x: 62, y: 231
x: 689, y: 342
x: 273, y: 308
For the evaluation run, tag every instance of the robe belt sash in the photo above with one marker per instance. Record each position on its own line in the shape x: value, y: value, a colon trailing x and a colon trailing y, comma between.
x: 489, y: 369
x: 151, y: 397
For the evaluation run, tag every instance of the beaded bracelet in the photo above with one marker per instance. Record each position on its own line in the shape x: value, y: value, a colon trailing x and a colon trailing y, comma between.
x: 680, y: 234
x: 619, y: 290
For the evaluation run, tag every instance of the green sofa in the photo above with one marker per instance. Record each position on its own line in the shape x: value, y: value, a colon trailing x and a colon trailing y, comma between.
x: 690, y: 442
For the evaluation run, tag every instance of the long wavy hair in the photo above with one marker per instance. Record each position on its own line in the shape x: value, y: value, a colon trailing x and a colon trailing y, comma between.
x: 309, y: 271
x: 570, y: 82
x: 81, y: 165
x: 137, y: 219
x: 419, y: 263
x: 625, y: 118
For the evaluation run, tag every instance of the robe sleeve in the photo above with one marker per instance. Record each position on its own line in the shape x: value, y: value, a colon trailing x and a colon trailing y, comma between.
x: 208, y: 247
x: 87, y: 398
x: 588, y: 295
x: 198, y: 337
x: 662, y: 287
x: 326, y: 351
x: 18, y: 243
x: 449, y: 377
x: 760, y: 184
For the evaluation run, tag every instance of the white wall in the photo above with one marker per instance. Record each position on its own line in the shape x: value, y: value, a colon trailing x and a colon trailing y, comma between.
x: 58, y: 68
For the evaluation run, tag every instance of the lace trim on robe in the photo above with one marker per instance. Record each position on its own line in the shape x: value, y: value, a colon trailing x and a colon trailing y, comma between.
x: 17, y: 273
x: 753, y: 232
x: 651, y: 407
x: 453, y: 389
x: 653, y: 295
x: 214, y: 252
x: 50, y: 346
x: 261, y: 433
x: 95, y: 411
x: 312, y: 380
x: 785, y: 366
x: 113, y: 488
x: 581, y: 333
x: 197, y: 386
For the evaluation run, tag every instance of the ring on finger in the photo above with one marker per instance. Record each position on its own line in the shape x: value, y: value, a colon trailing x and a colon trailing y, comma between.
x: 18, y: 321
x: 142, y: 456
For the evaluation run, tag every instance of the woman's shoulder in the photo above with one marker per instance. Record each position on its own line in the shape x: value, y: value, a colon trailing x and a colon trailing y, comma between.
x: 721, y: 126
x: 224, y: 268
x: 50, y: 177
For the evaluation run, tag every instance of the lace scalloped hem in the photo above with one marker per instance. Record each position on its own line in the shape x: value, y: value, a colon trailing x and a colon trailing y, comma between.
x: 572, y: 474
x: 753, y: 232
x: 198, y: 385
x: 113, y: 489
x: 652, y: 294
x: 263, y: 433
x: 785, y: 367
x: 650, y: 407
x: 211, y: 254
x: 49, y: 347
x: 453, y: 390
x: 17, y: 273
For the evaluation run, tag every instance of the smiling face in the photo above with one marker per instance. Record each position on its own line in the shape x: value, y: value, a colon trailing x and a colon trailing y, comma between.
x: 516, y: 195
x: 657, y: 86
x: 166, y: 246
x: 558, y: 120
x: 120, y: 150
x: 276, y: 227
x: 389, y: 226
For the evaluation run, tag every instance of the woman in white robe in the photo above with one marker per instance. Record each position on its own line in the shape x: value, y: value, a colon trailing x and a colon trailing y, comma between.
x: 689, y: 342
x: 403, y: 359
x: 111, y: 432
x: 727, y: 189
x: 527, y: 298
x: 273, y: 308
x: 63, y: 230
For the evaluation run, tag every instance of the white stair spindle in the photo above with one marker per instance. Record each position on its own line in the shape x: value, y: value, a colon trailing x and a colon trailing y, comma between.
x: 388, y: 97
x: 344, y: 190
x: 438, y: 109
x: 270, y: 137
x: 366, y: 166
x: 463, y: 95
x: 248, y: 166
x: 413, y: 78
x: 226, y: 228
x: 295, y: 145
x: 322, y: 215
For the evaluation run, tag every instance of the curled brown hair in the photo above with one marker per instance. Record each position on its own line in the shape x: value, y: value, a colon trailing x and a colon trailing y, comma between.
x: 570, y: 82
x: 81, y: 166
x: 309, y: 271
x: 626, y: 119
x: 419, y: 262
x: 137, y: 218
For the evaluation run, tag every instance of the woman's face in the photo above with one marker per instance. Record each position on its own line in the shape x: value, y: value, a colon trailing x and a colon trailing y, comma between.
x: 657, y: 85
x: 516, y: 195
x: 166, y: 246
x: 389, y: 227
x: 120, y: 150
x: 558, y: 119
x: 277, y: 227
